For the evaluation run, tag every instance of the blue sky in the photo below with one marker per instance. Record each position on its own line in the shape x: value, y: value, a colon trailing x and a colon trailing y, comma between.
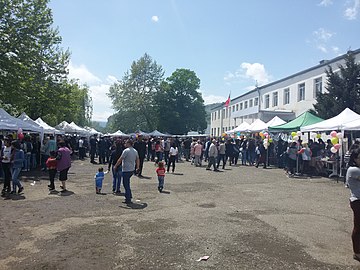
x: 229, y: 44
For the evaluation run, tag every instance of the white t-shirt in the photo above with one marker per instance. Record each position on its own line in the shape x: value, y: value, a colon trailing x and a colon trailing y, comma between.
x: 81, y: 143
x: 173, y: 151
x: 6, y: 154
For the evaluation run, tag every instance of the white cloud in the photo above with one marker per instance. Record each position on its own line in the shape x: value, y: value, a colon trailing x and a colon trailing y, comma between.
x: 256, y: 72
x: 210, y: 99
x: 102, y: 105
x: 321, y: 40
x: 82, y: 74
x: 249, y: 71
x: 352, y: 11
x: 155, y: 18
x: 323, y: 35
x: 326, y: 3
x: 335, y: 49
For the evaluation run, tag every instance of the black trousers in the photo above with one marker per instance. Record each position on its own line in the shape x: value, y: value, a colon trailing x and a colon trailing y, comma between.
x: 141, y: 165
x: 7, y: 175
x: 171, y: 161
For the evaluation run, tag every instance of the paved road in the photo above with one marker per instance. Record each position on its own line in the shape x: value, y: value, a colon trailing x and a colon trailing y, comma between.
x: 242, y: 217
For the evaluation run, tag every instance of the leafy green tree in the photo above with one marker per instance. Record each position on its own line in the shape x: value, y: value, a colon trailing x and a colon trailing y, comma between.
x: 133, y: 96
x: 343, y: 90
x: 33, y: 66
x: 180, y: 106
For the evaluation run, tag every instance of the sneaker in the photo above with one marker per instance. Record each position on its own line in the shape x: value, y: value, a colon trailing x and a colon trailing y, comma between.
x: 208, y: 169
x: 127, y: 202
x: 64, y: 190
x: 21, y: 189
x: 51, y: 189
x: 13, y: 192
x: 62, y: 187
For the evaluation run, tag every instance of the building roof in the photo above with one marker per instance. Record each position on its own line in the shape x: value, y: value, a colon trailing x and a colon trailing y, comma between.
x: 322, y: 63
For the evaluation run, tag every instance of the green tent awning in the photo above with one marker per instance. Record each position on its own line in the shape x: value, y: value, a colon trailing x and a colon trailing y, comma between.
x: 302, y: 120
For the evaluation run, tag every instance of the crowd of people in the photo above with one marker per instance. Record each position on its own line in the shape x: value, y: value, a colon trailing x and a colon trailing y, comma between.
x: 125, y: 157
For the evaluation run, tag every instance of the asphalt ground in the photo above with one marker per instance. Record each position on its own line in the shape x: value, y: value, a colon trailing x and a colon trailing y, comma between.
x: 242, y: 218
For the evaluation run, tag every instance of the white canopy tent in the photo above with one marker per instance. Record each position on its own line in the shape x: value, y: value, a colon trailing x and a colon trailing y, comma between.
x: 47, y: 129
x: 8, y: 122
x: 24, y: 117
x: 78, y: 129
x: 336, y: 123
x: 65, y: 127
x: 118, y: 133
x: 92, y: 131
x: 276, y: 121
x: 242, y: 127
x: 257, y: 126
x: 353, y: 125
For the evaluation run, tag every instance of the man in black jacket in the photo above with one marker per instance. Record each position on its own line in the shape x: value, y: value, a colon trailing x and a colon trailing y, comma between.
x: 140, y: 147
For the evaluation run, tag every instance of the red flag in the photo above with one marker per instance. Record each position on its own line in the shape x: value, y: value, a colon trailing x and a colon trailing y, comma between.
x: 227, y: 102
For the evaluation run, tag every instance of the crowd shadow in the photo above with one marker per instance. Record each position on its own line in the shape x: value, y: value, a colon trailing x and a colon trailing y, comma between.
x: 135, y: 206
x: 165, y: 192
x: 144, y: 177
x: 13, y: 197
x: 66, y: 193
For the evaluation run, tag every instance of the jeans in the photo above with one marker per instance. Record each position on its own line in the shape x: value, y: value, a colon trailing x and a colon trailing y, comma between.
x: 355, y: 236
x: 27, y: 161
x: 15, y: 178
x: 166, y: 157
x: 34, y: 161
x: 44, y: 158
x: 126, y: 184
x: 223, y: 158
x: 244, y: 157
x: 161, y: 180
x: 116, y: 179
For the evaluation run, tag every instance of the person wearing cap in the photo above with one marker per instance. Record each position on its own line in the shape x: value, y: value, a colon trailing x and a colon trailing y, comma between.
x: 213, y: 153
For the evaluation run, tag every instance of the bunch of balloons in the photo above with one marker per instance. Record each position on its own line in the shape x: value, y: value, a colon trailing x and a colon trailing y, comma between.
x: 335, y: 139
x: 296, y: 135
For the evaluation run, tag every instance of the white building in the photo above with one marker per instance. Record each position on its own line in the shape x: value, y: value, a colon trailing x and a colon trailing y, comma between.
x: 286, y: 98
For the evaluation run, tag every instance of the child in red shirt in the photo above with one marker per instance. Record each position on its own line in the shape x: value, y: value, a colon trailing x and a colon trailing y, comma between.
x: 51, y: 165
x: 161, y: 175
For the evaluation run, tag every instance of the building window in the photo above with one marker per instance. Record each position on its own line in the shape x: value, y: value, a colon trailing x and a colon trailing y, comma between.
x: 237, y: 107
x: 218, y: 131
x: 256, y: 102
x: 286, y: 96
x: 223, y: 114
x: 267, y: 101
x: 251, y: 103
x: 233, y: 108
x: 241, y: 106
x: 275, y: 99
x: 245, y: 105
x: 317, y: 86
x: 301, y: 92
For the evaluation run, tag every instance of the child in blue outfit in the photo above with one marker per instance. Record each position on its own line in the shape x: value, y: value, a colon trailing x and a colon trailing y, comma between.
x: 99, y: 178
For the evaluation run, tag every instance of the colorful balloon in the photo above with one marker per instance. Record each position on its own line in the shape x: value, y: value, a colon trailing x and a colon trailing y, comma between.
x: 334, y: 140
x: 339, y: 135
x: 20, y: 136
x: 296, y: 138
x: 333, y: 150
x: 337, y: 146
x: 293, y: 134
x: 318, y: 136
x: 298, y: 133
x: 333, y: 133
